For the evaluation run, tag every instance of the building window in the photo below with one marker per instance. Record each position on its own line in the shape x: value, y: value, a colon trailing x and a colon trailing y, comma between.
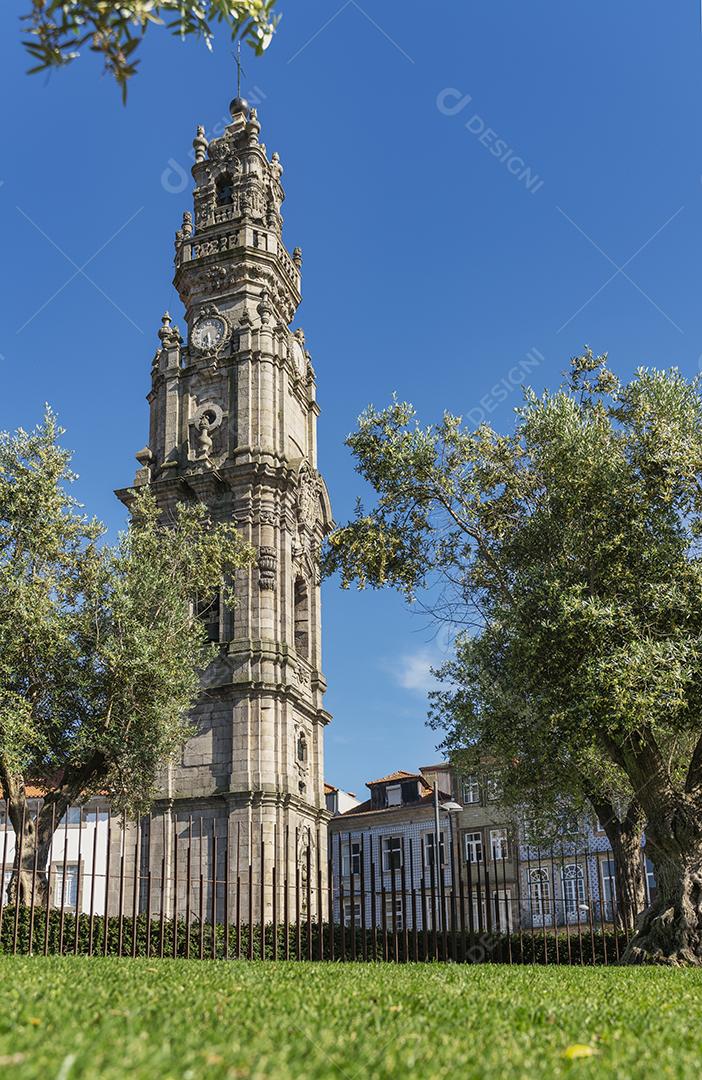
x: 502, y: 909
x: 609, y: 887
x: 302, y: 618
x: 474, y: 847
x: 393, y: 909
x: 429, y: 842
x: 471, y: 789
x: 207, y: 611
x: 650, y: 878
x: 392, y: 853
x: 350, y: 909
x: 539, y: 893
x: 66, y: 891
x: 410, y: 791
x: 393, y: 794
x: 573, y: 890
x: 479, y: 909
x: 352, y: 865
x: 492, y: 788
x: 499, y: 847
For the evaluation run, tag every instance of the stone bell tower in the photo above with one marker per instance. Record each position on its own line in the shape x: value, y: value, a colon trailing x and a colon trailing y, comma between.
x: 233, y: 425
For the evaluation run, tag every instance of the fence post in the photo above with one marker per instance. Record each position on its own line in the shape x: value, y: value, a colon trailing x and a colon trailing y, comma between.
x: 262, y: 901
x: 175, y: 883
x: 238, y: 890
x: 298, y: 925
x: 19, y: 848
x: 162, y: 890
x: 320, y: 898
x: 227, y: 886
x: 137, y: 883
x: 107, y: 883
x: 600, y: 886
x: 352, y: 898
x: 34, y: 886
x: 274, y: 898
x: 213, y: 906
x: 4, y: 860
x: 188, y: 879
x: 286, y: 894
x: 364, y: 920
x: 330, y: 895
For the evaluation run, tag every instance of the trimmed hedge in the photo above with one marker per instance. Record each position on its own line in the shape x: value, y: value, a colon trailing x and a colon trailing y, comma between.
x: 115, y: 937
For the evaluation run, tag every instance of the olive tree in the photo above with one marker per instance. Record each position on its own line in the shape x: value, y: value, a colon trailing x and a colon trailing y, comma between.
x: 574, y: 542
x: 100, y: 652
x: 59, y: 31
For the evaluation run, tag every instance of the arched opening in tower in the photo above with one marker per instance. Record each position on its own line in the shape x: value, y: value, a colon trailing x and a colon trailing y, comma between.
x: 225, y: 190
x: 302, y: 618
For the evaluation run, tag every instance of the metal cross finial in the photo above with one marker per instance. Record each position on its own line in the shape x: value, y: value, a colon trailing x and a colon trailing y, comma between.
x: 239, y: 70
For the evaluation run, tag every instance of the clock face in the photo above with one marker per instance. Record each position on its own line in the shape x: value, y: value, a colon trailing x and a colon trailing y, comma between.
x: 208, y: 332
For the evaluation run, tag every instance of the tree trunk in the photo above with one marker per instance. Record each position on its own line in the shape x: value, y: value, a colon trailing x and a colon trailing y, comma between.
x: 29, y: 870
x: 33, y: 837
x: 630, y: 880
x: 624, y: 835
x: 670, y: 931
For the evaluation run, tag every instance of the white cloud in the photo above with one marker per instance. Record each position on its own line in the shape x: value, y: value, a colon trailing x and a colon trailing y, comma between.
x: 412, y: 671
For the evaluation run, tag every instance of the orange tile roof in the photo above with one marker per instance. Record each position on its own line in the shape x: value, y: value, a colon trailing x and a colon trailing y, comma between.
x: 33, y: 790
x: 399, y: 775
x: 328, y: 788
x: 365, y: 807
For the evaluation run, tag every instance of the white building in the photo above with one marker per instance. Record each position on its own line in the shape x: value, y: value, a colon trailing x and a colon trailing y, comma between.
x: 78, y: 863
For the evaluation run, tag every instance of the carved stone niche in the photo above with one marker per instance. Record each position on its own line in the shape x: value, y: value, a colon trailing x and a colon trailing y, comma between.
x: 302, y: 751
x: 267, y: 567
x: 205, y: 420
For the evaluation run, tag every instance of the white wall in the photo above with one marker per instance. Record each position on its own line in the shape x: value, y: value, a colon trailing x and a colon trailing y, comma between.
x: 80, y: 841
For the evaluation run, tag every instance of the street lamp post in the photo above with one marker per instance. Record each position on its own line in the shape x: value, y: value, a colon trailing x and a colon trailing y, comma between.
x: 450, y: 807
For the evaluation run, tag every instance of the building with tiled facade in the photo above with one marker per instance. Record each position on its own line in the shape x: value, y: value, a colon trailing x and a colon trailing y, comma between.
x: 494, y: 876
x: 383, y: 850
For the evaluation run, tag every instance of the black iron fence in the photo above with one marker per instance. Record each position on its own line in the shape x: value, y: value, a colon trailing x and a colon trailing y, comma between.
x: 197, y: 887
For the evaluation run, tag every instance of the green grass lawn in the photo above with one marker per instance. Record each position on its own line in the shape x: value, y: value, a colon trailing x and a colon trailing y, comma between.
x: 68, y: 1017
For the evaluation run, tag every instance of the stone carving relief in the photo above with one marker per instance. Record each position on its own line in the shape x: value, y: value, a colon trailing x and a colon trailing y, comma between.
x: 302, y: 675
x: 206, y: 419
x: 267, y: 566
x: 220, y: 149
x: 217, y: 276
x: 309, y: 491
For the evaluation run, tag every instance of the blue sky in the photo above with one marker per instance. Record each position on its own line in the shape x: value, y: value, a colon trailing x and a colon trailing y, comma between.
x: 478, y: 189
